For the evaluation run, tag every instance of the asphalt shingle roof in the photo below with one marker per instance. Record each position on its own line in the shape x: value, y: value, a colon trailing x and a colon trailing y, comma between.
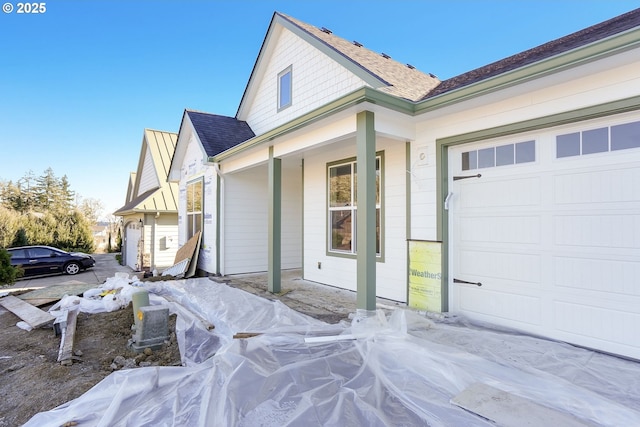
x: 219, y: 133
x: 404, y: 81
x: 564, y: 44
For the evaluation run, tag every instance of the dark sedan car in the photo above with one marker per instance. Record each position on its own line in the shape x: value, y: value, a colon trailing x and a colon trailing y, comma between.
x: 38, y: 260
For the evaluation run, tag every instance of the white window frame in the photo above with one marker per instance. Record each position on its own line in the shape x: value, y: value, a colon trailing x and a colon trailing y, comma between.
x: 281, y: 102
x: 352, y: 208
x: 194, y: 216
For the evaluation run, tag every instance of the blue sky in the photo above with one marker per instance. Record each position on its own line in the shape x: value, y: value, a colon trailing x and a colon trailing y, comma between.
x: 80, y: 82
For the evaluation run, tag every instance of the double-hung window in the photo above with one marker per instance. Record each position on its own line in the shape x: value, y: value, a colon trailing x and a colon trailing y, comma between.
x: 194, y: 207
x: 343, y: 206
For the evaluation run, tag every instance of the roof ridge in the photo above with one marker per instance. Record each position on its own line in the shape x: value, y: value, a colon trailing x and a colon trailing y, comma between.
x: 571, y: 41
x: 212, y: 114
x: 161, y: 131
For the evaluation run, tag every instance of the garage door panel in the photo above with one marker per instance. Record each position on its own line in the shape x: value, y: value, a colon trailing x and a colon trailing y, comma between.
x: 520, y: 267
x: 555, y: 241
x: 598, y: 275
x: 604, y: 230
x: 503, y: 229
x: 596, y: 323
x: 481, y: 193
x: 602, y: 186
x: 494, y: 306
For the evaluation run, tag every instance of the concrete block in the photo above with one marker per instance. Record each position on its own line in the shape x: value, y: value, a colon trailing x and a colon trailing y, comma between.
x: 152, y: 328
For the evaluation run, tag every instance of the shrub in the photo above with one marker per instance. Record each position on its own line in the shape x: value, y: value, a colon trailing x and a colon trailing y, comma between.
x: 8, y: 273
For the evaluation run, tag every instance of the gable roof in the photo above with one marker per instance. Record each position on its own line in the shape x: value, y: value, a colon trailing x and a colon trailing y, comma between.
x: 548, y: 50
x: 378, y: 71
x: 219, y: 133
x: 161, y: 146
x: 400, y: 79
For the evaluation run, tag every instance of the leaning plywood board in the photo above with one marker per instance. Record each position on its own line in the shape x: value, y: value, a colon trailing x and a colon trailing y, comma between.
x: 55, y: 293
x: 33, y: 316
x: 194, y: 261
x: 508, y: 410
x: 187, y: 250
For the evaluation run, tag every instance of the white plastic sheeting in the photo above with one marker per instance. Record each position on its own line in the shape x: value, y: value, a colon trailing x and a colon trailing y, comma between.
x: 401, y: 370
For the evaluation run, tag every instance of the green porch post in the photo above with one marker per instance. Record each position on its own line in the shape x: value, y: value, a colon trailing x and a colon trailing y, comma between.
x: 275, y: 222
x: 366, y: 212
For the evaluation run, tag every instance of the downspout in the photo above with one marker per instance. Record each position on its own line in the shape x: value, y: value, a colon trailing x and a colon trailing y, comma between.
x: 219, y: 220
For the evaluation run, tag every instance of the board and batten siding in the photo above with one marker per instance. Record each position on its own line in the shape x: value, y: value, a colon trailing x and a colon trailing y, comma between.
x: 341, y: 271
x: 316, y: 80
x: 149, y: 177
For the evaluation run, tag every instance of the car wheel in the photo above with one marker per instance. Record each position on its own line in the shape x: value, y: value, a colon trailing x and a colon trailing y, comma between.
x: 72, y: 268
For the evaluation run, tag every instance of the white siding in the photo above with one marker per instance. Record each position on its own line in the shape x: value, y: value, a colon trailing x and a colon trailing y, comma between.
x: 316, y: 80
x: 291, y: 215
x: 165, y: 241
x: 391, y: 279
x: 149, y: 177
x: 246, y: 219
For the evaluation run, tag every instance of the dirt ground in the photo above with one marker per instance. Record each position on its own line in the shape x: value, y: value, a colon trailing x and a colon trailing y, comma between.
x: 32, y: 381
x: 31, y: 378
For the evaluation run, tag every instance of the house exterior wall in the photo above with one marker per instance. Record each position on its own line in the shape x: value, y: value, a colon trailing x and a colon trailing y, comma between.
x: 340, y: 271
x: 194, y: 168
x: 316, y: 80
x: 148, y: 178
x: 551, y: 95
x: 245, y: 220
x: 165, y: 240
x: 291, y: 252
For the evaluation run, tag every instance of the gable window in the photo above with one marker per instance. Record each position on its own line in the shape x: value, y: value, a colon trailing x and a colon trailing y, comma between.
x: 194, y: 207
x: 343, y: 206
x: 284, y: 89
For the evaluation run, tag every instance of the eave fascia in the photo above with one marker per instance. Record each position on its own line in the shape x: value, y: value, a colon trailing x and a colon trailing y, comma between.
x: 598, y: 50
x: 362, y: 95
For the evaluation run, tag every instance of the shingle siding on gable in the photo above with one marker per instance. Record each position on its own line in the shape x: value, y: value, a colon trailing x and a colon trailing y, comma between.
x: 149, y: 178
x: 317, y: 80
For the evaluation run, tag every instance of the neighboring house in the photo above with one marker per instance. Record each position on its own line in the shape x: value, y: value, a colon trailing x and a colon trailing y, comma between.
x: 526, y: 170
x: 150, y: 214
x: 100, y: 237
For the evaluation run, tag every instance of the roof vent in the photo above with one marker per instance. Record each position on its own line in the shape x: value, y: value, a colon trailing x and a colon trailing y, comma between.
x: 357, y: 44
x: 411, y: 66
x: 433, y: 75
x: 384, y: 55
x: 325, y: 30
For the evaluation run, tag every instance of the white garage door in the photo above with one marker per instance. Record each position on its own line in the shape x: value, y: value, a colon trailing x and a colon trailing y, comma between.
x: 132, y: 237
x: 551, y: 231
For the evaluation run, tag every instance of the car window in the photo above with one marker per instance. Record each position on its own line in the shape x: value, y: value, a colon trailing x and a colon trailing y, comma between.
x: 40, y: 252
x: 18, y: 253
